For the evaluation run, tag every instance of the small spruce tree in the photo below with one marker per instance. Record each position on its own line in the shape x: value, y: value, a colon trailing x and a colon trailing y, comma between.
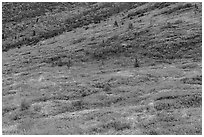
x: 3, y: 36
x: 130, y: 26
x: 195, y: 9
x: 37, y: 19
x: 33, y: 32
x: 115, y: 24
x: 69, y: 63
x: 136, y: 62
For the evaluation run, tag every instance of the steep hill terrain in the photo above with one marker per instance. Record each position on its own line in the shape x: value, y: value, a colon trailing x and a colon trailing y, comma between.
x: 102, y: 68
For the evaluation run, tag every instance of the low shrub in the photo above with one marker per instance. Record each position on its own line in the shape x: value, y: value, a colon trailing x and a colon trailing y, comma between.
x: 193, y: 80
x: 78, y: 105
x: 37, y: 108
x: 107, y: 87
x: 117, y: 125
x: 130, y: 26
x: 25, y: 105
x: 79, y: 40
x: 189, y: 66
x: 110, y: 47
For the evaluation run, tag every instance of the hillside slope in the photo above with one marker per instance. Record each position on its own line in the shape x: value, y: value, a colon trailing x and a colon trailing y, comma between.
x: 70, y: 68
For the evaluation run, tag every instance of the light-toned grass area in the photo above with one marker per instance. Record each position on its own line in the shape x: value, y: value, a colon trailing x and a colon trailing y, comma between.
x: 109, y: 103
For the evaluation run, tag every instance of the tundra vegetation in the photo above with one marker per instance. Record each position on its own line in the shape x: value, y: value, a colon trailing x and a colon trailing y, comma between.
x: 67, y: 70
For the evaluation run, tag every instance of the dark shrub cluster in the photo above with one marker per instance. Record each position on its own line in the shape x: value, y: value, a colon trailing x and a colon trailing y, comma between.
x: 179, y: 7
